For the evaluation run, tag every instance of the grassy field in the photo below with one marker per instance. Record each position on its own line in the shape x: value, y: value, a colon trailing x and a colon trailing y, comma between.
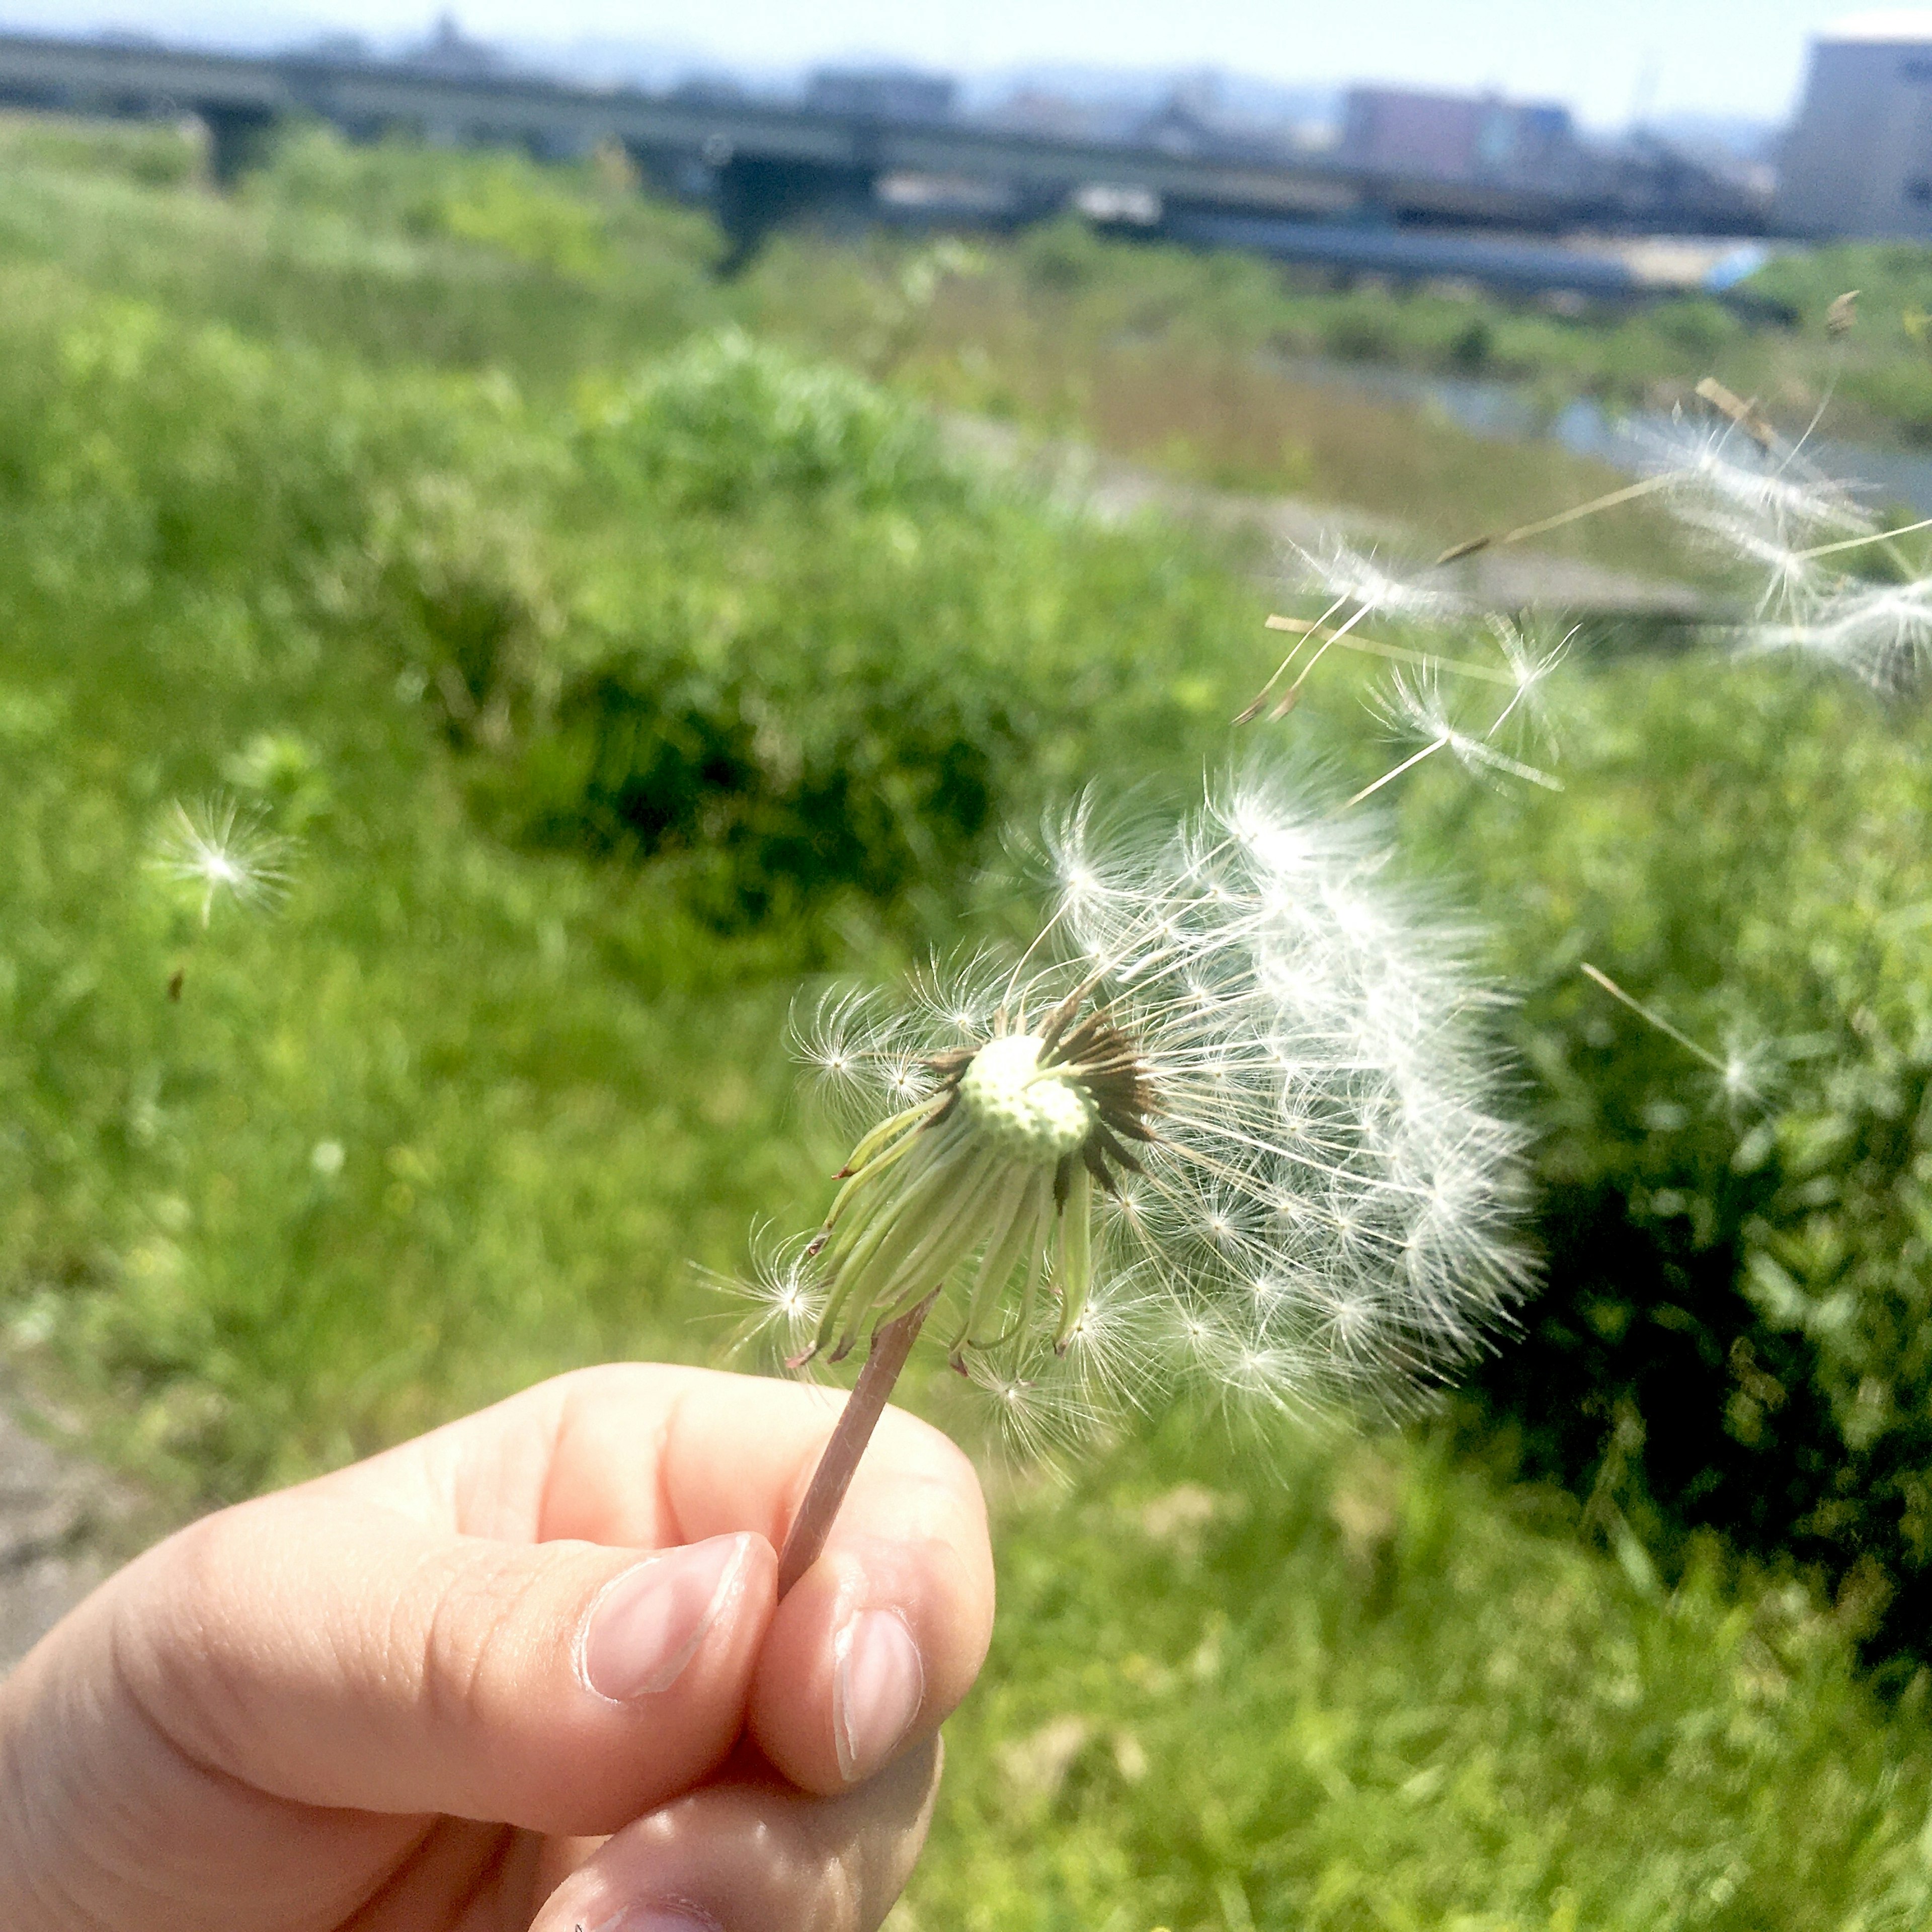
x: 352, y: 517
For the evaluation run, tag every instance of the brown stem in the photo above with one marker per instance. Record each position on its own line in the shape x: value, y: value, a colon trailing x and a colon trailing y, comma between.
x: 891, y: 1344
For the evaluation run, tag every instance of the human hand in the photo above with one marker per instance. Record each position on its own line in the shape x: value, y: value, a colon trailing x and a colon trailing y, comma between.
x: 450, y: 1687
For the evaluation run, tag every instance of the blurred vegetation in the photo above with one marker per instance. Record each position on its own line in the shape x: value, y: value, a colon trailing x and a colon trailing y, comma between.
x: 612, y: 667
x: 1021, y: 332
x: 1737, y: 1328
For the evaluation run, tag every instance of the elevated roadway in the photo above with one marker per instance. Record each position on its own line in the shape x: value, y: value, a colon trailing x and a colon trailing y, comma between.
x: 766, y: 161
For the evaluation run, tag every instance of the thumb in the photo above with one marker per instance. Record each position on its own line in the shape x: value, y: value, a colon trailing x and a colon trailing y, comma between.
x: 338, y: 1655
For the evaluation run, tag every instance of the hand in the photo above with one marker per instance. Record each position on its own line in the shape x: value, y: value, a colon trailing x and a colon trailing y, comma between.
x: 419, y: 1692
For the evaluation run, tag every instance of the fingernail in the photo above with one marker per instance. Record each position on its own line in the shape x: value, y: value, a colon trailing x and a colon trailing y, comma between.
x: 877, y: 1682
x: 648, y: 1624
x: 658, y: 1919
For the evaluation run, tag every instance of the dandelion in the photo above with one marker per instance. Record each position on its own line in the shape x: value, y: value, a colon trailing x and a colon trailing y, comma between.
x: 1746, y: 1071
x: 1792, y: 581
x: 781, y: 1301
x: 219, y: 848
x: 1880, y: 632
x: 1228, y: 1126
x: 1719, y: 468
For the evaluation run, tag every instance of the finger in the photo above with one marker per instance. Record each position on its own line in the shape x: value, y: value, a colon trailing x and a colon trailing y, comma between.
x: 338, y: 1655
x: 750, y: 1854
x: 871, y: 1650
x: 884, y: 1635
x: 879, y: 1641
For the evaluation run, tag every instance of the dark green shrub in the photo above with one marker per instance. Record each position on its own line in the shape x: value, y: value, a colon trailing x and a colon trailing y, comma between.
x: 1737, y: 1328
x: 1361, y: 332
x: 818, y: 658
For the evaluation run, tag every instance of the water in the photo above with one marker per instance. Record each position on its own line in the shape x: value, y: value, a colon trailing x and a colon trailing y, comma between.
x: 1507, y: 413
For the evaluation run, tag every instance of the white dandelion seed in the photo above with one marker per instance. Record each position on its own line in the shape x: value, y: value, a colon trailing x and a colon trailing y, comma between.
x: 1880, y: 632
x: 219, y: 848
x: 781, y: 1302
x: 1233, y: 1095
x: 1416, y: 710
x: 1346, y: 575
x: 1724, y: 469
x: 1791, y: 581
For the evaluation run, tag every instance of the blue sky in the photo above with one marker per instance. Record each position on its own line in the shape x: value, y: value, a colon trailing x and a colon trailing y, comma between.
x: 1735, y: 56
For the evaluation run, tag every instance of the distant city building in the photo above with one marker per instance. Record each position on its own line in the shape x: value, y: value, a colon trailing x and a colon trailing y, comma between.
x: 1858, y: 160
x: 1455, y: 137
x: 450, y: 51
x: 881, y: 94
x: 1194, y: 118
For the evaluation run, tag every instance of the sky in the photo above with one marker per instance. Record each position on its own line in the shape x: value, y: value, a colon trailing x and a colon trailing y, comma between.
x: 1610, y: 62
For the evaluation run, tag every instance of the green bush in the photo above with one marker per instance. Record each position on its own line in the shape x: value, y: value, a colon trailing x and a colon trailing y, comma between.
x: 726, y: 421
x: 1737, y: 1329
x: 155, y: 154
x: 821, y: 659
x: 579, y: 222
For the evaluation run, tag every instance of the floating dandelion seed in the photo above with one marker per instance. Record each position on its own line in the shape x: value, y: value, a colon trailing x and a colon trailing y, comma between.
x: 1226, y: 1126
x: 1730, y: 471
x: 781, y: 1301
x: 1415, y: 710
x: 220, y: 848
x: 1746, y: 1071
x: 1347, y: 575
x: 1793, y: 582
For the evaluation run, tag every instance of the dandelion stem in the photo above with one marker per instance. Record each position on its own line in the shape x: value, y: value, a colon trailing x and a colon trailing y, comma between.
x: 1287, y: 703
x: 1282, y: 669
x: 1368, y: 790
x: 892, y: 1342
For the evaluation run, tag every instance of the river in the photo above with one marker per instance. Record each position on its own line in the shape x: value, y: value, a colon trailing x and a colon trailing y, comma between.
x: 1625, y: 440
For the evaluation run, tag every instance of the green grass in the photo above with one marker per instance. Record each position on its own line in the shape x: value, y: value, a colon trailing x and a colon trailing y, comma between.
x: 470, y: 1107
x: 1378, y: 1693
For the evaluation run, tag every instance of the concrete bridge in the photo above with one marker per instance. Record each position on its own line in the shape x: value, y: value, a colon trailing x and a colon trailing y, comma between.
x: 764, y: 163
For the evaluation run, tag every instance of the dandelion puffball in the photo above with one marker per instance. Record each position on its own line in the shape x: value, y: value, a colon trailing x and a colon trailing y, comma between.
x: 1231, y: 1123
x: 220, y: 849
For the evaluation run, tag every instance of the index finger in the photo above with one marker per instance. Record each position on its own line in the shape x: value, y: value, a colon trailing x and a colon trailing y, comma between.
x: 880, y: 1640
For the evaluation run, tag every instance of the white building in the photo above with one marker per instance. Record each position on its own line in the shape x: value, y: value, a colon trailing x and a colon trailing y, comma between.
x: 1858, y: 160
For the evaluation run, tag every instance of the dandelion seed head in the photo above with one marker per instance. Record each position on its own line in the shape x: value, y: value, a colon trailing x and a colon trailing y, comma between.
x: 1228, y: 1125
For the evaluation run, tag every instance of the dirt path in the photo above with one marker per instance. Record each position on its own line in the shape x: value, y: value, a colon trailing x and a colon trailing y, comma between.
x: 64, y: 1524
x: 1114, y: 490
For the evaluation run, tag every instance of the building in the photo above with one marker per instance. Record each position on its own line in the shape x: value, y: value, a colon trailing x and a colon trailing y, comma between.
x: 1858, y: 159
x: 1455, y: 137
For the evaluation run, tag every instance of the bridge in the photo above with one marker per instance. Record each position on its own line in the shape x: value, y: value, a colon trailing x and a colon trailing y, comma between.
x: 762, y: 163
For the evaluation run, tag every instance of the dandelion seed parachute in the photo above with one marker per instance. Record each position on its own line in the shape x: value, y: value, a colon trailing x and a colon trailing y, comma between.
x: 1725, y: 473
x: 1230, y: 1125
x: 1347, y: 575
x: 220, y: 848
